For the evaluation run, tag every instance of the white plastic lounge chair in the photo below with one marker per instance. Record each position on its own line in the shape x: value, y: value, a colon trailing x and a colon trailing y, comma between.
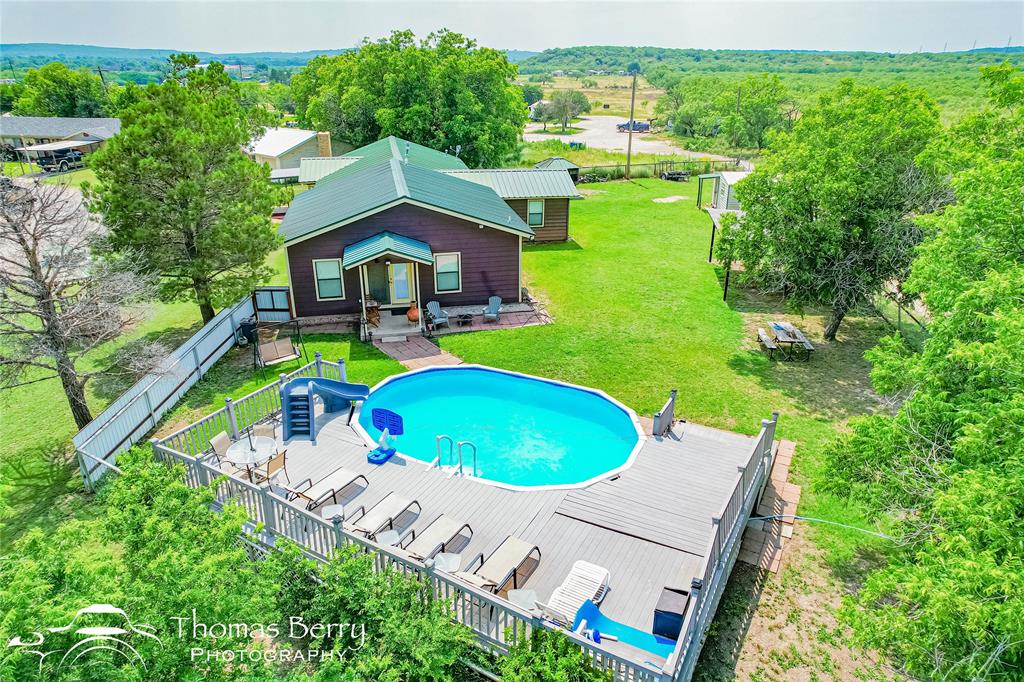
x: 502, y: 566
x: 315, y: 494
x: 585, y: 582
x: 382, y: 515
x: 435, y: 537
x: 437, y: 315
x: 493, y: 310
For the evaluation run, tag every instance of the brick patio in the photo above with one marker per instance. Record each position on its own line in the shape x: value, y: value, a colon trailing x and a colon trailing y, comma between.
x: 764, y: 541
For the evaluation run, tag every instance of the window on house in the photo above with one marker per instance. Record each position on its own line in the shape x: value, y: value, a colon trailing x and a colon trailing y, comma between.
x: 329, y: 284
x: 447, y: 273
x: 535, y: 213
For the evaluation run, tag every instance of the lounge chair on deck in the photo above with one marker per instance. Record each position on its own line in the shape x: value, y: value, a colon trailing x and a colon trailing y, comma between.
x: 383, y: 515
x: 493, y: 310
x: 502, y: 566
x: 435, y: 538
x: 437, y: 315
x: 317, y: 493
x: 585, y: 582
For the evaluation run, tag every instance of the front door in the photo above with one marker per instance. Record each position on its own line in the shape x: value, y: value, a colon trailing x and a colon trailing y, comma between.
x: 400, y: 279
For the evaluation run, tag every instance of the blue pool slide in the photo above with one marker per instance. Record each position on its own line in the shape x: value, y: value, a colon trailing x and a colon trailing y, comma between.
x: 597, y: 621
x: 297, y: 403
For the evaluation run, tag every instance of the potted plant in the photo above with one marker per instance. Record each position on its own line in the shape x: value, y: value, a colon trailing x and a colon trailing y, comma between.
x: 413, y: 313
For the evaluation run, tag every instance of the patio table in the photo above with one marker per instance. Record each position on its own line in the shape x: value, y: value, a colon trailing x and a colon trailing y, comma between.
x: 448, y: 562
x: 242, y: 454
x: 790, y: 339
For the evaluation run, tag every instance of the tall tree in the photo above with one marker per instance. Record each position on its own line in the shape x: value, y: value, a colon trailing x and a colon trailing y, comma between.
x: 56, y: 302
x: 56, y: 90
x: 444, y: 92
x: 948, y: 463
x: 175, y: 186
x: 566, y: 105
x: 829, y: 213
x: 762, y: 104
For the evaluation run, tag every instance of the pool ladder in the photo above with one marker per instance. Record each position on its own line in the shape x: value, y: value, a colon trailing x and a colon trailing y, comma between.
x: 454, y: 453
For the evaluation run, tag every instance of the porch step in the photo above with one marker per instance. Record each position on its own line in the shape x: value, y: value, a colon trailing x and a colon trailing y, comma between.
x: 393, y: 339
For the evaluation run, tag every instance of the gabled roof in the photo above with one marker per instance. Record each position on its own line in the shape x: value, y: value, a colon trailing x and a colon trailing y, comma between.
x: 395, y: 148
x: 521, y: 183
x: 278, y: 141
x: 386, y: 244
x: 54, y: 126
x: 383, y: 185
x: 313, y: 168
x: 557, y: 163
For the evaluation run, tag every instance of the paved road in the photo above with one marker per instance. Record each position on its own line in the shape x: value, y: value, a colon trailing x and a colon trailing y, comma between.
x: 599, y: 132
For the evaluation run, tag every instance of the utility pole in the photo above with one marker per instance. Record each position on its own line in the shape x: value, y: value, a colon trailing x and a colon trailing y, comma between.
x: 102, y: 79
x: 632, y: 124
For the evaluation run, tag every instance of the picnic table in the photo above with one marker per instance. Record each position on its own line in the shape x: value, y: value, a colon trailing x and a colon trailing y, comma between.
x: 787, y: 339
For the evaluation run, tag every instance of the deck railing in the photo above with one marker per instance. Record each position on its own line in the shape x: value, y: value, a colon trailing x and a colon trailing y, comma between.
x: 496, y: 622
x: 723, y: 548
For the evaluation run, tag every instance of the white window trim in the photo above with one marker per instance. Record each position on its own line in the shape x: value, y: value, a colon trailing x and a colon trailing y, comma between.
x: 458, y: 255
x: 543, y: 211
x: 316, y: 279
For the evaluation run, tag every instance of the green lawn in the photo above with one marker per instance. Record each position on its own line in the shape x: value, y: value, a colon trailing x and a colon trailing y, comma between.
x: 73, y: 178
x: 13, y: 168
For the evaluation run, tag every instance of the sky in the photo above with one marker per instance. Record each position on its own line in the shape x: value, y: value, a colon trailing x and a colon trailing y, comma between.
x: 295, y: 25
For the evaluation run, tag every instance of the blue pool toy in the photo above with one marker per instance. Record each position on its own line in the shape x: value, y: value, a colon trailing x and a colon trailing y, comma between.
x: 390, y: 424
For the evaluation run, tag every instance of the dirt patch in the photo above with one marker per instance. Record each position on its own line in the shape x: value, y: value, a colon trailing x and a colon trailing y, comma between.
x: 784, y: 627
x: 669, y: 200
x: 590, y: 192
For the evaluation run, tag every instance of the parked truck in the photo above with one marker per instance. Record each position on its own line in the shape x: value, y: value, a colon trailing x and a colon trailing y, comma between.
x: 638, y: 127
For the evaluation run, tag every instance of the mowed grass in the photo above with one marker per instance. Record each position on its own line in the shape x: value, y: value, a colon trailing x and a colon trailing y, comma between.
x: 638, y: 311
x: 533, y: 152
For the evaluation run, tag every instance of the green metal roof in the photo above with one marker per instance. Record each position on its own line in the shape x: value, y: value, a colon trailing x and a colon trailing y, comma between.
x: 380, y: 186
x: 521, y: 183
x: 395, y: 148
x: 557, y: 163
x: 313, y: 168
x: 386, y: 243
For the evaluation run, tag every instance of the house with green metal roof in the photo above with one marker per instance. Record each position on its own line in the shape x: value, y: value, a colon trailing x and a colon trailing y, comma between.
x: 394, y: 225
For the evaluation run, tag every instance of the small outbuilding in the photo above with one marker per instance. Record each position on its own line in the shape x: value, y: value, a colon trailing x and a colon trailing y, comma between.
x: 723, y: 195
x: 559, y: 163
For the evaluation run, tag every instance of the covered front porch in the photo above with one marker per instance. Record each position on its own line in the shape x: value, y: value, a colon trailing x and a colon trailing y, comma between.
x: 391, y: 301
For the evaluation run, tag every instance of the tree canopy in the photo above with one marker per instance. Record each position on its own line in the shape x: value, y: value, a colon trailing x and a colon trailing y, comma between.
x: 829, y: 213
x: 175, y: 187
x: 56, y: 90
x: 444, y: 92
x: 949, y: 463
x: 566, y: 105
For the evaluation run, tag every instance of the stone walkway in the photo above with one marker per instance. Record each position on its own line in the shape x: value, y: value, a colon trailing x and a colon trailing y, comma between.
x: 763, y: 541
x: 417, y: 352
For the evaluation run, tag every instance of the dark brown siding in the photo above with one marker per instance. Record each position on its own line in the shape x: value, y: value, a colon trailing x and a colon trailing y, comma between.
x: 556, y: 218
x: 490, y: 259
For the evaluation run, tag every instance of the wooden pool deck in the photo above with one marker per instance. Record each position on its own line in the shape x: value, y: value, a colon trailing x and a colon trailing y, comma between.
x: 649, y: 526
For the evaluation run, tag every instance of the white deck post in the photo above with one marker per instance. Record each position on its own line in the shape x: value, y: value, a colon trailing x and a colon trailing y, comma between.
x: 270, y: 523
x: 342, y: 373
x: 318, y: 359
x: 232, y: 420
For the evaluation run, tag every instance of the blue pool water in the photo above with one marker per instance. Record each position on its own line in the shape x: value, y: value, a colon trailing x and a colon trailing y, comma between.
x: 528, y: 432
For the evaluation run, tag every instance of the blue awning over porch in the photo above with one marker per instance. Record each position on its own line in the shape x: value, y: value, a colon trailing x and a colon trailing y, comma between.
x: 387, y: 244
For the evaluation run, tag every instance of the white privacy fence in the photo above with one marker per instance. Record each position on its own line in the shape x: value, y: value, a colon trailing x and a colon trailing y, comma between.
x: 138, y: 410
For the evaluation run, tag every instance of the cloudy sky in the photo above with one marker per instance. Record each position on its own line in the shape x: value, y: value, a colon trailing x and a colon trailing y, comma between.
x: 292, y: 25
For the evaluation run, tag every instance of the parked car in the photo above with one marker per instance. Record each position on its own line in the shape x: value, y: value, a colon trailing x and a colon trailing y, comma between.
x: 61, y: 161
x: 638, y: 127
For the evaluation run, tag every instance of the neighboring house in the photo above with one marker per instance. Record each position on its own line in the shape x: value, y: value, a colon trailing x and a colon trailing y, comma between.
x: 401, y: 224
x: 535, y: 108
x: 285, y: 147
x: 559, y: 163
x: 34, y: 137
x: 723, y: 195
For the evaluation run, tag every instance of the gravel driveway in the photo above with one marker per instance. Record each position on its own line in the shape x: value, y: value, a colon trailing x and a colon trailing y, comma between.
x: 599, y: 132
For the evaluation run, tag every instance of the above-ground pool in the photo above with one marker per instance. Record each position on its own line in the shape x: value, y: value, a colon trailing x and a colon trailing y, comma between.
x: 528, y: 431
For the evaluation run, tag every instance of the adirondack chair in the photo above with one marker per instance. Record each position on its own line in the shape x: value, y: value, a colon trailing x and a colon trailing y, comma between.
x: 437, y: 315
x: 493, y: 310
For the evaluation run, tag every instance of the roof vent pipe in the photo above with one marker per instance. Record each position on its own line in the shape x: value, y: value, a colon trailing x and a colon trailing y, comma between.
x: 407, y: 151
